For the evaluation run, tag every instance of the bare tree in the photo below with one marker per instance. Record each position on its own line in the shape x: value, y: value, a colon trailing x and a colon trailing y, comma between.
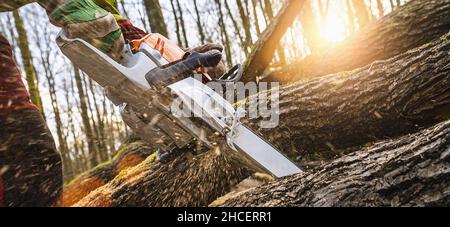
x: 30, y: 71
x: 155, y: 17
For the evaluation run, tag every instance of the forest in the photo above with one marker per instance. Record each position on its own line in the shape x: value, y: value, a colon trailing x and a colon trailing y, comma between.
x: 364, y: 104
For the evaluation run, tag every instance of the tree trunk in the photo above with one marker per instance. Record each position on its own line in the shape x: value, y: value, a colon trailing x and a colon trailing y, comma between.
x: 223, y: 31
x: 79, y: 147
x: 30, y: 71
x: 128, y: 156
x: 101, y: 141
x: 246, y: 24
x: 394, y: 34
x: 236, y: 27
x: 124, y: 10
x: 256, y: 17
x: 63, y: 147
x: 350, y: 17
x: 266, y: 46
x: 391, y: 2
x: 268, y: 12
x: 182, y: 24
x: 410, y: 171
x: 310, y: 28
x: 177, y: 23
x: 382, y: 100
x: 185, y: 182
x: 93, y: 121
x: 380, y: 8
x: 199, y: 23
x: 155, y: 17
x: 387, y: 99
x: 88, y: 131
x: 361, y: 13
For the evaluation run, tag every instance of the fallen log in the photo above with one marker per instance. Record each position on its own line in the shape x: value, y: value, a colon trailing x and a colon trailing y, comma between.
x: 318, y: 119
x: 186, y: 182
x: 411, y: 171
x: 386, y: 99
x: 128, y: 156
x: 412, y: 25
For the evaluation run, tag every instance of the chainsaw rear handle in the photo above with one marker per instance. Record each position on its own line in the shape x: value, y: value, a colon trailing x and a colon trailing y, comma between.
x: 176, y: 71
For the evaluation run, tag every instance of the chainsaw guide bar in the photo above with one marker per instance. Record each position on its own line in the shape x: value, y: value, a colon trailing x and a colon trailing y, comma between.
x: 127, y: 85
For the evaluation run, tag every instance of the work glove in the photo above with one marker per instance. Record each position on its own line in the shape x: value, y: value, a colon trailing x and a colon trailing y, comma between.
x: 95, y: 21
x: 217, y: 71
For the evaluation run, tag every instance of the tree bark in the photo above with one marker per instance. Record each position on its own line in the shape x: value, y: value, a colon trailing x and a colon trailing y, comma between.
x: 350, y: 17
x: 177, y: 22
x: 361, y: 13
x: 128, y: 156
x: 236, y: 27
x: 267, y: 9
x: 265, y: 47
x: 27, y: 60
x: 256, y: 17
x: 101, y: 138
x: 88, y: 131
x: 410, y: 171
x: 224, y: 33
x: 388, y: 99
x: 383, y: 100
x: 185, y: 182
x: 311, y: 31
x: 155, y: 17
x: 246, y: 24
x: 182, y: 23
x: 380, y: 8
x: 63, y: 147
x: 394, y: 34
x: 199, y: 23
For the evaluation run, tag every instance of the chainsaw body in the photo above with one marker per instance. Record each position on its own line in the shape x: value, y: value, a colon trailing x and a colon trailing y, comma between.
x: 156, y: 77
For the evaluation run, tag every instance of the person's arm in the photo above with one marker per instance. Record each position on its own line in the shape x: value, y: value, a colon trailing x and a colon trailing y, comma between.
x: 10, y: 5
x: 87, y: 20
x: 92, y: 20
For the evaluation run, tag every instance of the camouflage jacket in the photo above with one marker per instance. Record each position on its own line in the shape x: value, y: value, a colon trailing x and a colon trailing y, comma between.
x: 9, y: 5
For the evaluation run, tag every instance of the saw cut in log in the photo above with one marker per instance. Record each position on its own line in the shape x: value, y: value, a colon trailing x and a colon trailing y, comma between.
x: 128, y: 156
x: 186, y: 182
x: 410, y: 171
x: 412, y: 25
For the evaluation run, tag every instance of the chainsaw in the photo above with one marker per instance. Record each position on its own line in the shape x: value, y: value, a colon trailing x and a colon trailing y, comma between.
x: 153, y: 74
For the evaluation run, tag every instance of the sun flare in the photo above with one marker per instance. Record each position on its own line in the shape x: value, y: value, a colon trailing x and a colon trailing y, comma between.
x: 333, y: 30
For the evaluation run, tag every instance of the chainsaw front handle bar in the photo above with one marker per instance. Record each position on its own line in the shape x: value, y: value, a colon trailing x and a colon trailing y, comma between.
x: 176, y: 71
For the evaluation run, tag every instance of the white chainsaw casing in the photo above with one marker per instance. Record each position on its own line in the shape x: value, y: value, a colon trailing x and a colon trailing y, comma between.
x: 128, y: 81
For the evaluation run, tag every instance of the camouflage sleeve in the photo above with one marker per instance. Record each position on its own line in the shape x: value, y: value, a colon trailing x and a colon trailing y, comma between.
x: 9, y: 5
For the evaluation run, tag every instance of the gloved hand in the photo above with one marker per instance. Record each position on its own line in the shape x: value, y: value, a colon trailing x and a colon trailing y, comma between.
x: 220, y: 69
x: 92, y: 20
